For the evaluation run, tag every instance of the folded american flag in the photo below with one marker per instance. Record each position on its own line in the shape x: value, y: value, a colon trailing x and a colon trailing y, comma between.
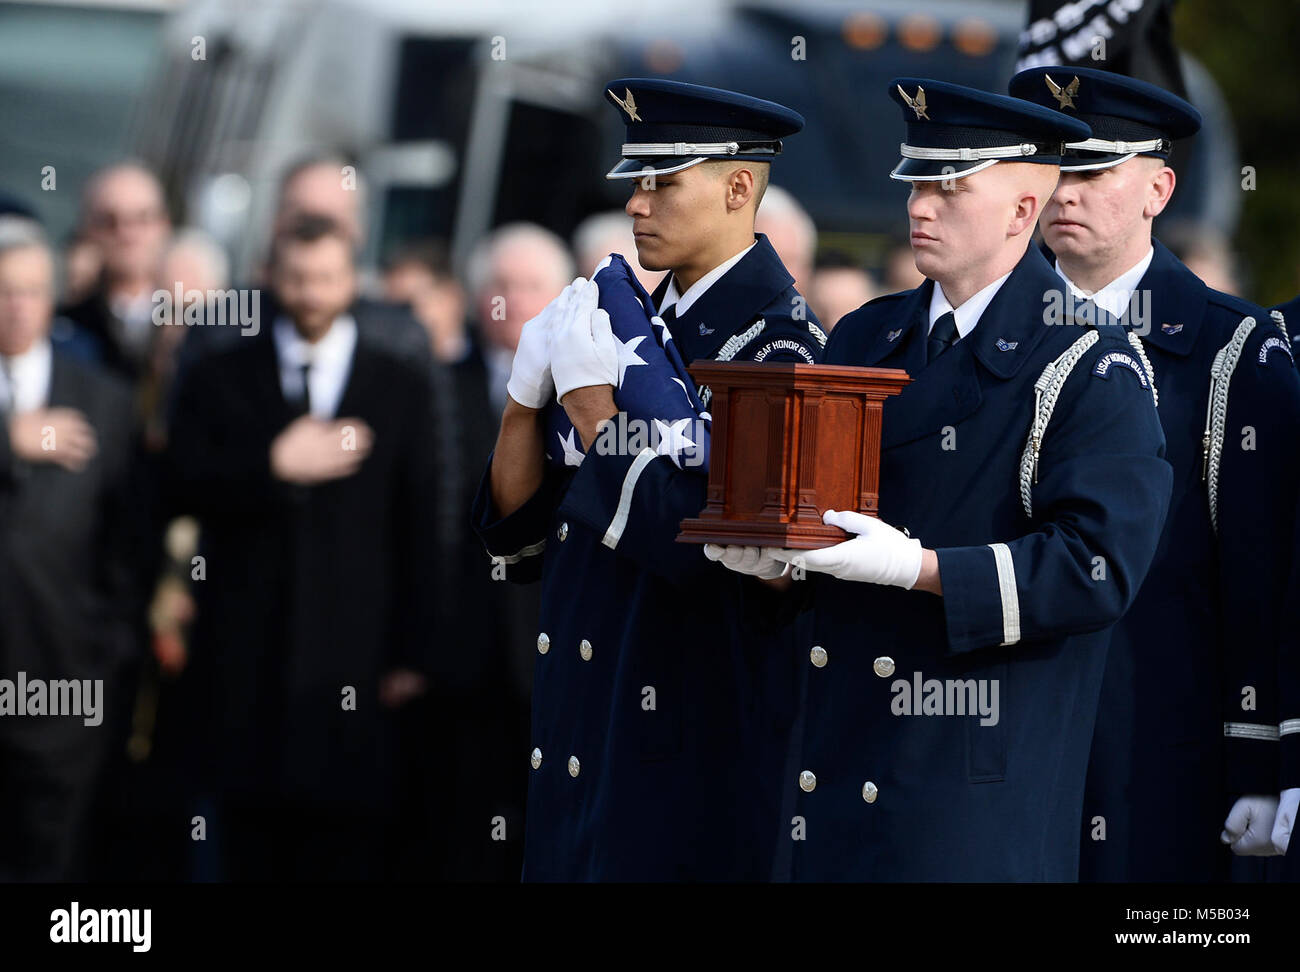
x: 657, y: 399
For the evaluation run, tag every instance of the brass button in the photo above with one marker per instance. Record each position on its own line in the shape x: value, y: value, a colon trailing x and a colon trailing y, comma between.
x: 543, y: 643
x: 584, y: 649
x: 807, y: 781
x: 537, y: 759
x: 818, y: 656
x: 869, y: 791
x: 884, y: 666
x: 574, y: 766
x: 563, y: 532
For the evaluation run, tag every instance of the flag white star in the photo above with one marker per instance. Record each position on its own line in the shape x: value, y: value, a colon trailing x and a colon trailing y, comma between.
x: 572, y: 454
x: 667, y: 334
x: 673, y: 439
x: 627, y: 356
x: 685, y: 392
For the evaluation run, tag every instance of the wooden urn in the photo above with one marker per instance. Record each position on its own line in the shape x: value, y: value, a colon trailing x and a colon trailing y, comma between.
x: 789, y: 441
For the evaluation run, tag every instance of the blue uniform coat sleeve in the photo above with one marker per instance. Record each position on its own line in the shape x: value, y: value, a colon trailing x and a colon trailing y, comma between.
x: 518, y: 540
x: 1256, y: 509
x: 1099, y: 506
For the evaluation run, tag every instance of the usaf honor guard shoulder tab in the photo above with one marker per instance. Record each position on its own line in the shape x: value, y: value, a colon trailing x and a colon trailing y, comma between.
x: 954, y: 131
x: 1110, y: 359
x: 673, y: 125
x: 1128, y: 117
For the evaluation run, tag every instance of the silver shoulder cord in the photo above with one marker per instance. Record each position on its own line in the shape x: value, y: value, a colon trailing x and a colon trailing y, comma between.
x: 1216, y: 413
x: 1280, y: 320
x: 729, y: 351
x: 1047, y: 389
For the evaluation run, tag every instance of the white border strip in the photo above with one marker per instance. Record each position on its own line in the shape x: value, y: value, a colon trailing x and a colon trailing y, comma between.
x: 1250, y: 730
x: 616, y: 527
x: 1288, y: 726
x: 1007, y: 588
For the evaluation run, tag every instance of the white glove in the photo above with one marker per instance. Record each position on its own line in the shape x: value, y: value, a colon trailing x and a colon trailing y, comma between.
x: 1249, y: 825
x: 1286, y: 814
x: 530, y: 382
x: 583, y: 350
x: 755, y: 561
x: 879, y: 554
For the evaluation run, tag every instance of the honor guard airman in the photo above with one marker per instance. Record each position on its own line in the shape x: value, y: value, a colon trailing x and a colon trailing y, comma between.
x: 1186, y: 744
x: 643, y: 764
x: 958, y: 641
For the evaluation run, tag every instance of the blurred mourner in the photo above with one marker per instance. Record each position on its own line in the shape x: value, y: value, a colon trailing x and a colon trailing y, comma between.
x: 958, y: 640
x: 512, y: 274
x: 792, y: 233
x: 475, y: 719
x: 125, y: 218
x: 329, y: 187
x: 69, y: 586
x: 840, y: 284
x: 308, y: 454
x: 1187, y: 729
x: 644, y: 762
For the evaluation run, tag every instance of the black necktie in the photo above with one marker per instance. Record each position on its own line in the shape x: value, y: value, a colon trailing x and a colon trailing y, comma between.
x: 304, y: 404
x: 10, y: 402
x: 670, y: 315
x: 942, y: 336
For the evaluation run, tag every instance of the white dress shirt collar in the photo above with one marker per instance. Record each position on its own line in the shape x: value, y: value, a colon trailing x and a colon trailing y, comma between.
x: 29, y: 373
x: 968, y: 314
x: 696, y: 290
x: 330, y: 361
x: 1114, y: 297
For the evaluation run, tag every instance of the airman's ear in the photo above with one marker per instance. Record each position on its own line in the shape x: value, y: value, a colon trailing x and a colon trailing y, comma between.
x: 740, y: 188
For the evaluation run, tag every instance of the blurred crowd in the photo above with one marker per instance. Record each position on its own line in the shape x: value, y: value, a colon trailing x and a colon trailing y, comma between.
x: 242, y: 505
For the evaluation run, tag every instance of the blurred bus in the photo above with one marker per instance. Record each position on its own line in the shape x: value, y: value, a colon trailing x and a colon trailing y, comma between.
x: 465, y: 115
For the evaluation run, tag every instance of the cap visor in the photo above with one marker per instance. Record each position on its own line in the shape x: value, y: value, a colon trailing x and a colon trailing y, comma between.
x: 927, y: 170
x: 660, y: 165
x: 1074, y: 161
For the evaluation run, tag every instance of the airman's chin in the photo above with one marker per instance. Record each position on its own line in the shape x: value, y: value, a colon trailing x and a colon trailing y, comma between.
x: 927, y: 264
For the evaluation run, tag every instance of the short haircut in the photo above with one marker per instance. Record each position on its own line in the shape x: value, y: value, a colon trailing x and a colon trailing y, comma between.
x: 319, y: 160
x: 208, y: 250
x: 429, y: 254
x: 762, y: 171
x: 480, y: 262
x: 21, y: 233
x: 310, y: 228
x: 97, y: 178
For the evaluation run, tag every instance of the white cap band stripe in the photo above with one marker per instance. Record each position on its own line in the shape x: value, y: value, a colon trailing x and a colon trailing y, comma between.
x: 1122, y: 148
x: 966, y: 154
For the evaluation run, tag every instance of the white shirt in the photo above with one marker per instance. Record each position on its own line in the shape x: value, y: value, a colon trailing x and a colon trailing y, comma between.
x: 27, y: 386
x: 968, y: 314
x: 1115, y: 296
x: 696, y: 290
x: 330, y: 361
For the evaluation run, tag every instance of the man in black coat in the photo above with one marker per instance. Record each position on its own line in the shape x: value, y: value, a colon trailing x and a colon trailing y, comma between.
x: 308, y: 453
x: 66, y: 581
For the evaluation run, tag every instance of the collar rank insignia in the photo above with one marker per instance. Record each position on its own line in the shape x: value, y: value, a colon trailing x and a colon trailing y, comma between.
x: 1003, y: 344
x: 628, y: 104
x: 705, y: 331
x: 1171, y: 328
x: 1064, y: 96
x: 893, y: 335
x: 917, y: 104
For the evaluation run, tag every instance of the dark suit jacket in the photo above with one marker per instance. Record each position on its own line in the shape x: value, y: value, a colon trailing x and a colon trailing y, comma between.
x: 68, y: 593
x: 308, y: 590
